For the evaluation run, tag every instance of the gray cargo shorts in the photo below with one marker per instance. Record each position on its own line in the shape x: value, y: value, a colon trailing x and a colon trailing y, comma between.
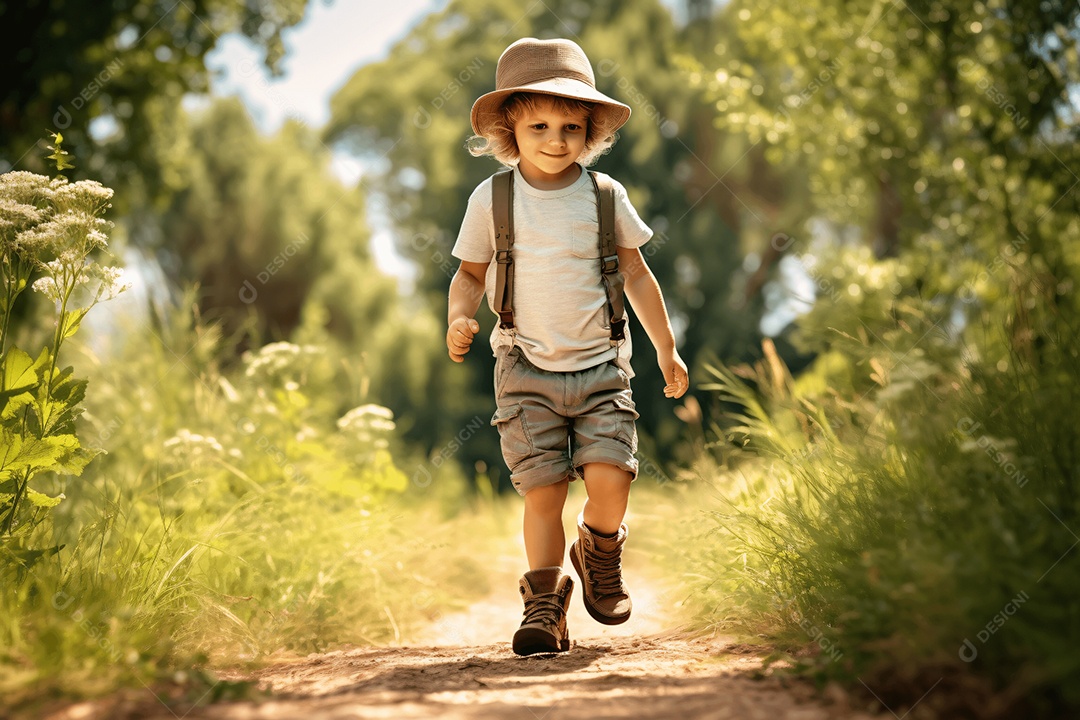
x: 553, y: 423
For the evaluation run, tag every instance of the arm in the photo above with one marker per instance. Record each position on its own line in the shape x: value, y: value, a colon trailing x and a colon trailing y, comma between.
x: 644, y: 294
x: 466, y: 292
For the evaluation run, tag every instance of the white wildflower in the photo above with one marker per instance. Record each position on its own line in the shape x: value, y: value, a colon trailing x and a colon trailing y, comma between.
x: 16, y: 216
x: 112, y: 281
x: 78, y: 230
x: 277, y: 357
x: 24, y: 187
x: 47, y: 287
x: 97, y: 239
x: 366, y: 419
x: 188, y: 446
x: 82, y: 194
x: 57, y: 266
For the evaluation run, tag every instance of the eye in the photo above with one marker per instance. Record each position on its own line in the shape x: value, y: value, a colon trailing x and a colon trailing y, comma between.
x: 574, y: 127
x: 539, y: 126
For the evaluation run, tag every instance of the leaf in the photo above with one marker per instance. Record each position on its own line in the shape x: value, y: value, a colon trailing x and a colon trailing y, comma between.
x: 10, y: 447
x: 62, y: 407
x: 38, y: 499
x: 21, y: 372
x: 74, y: 462
x: 26, y: 557
x: 71, y: 321
x: 59, y: 156
x: 880, y: 375
x: 34, y: 453
x: 11, y: 405
x: 70, y: 393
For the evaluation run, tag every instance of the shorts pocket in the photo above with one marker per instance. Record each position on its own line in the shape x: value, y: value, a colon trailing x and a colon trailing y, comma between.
x: 585, y: 239
x: 625, y: 415
x: 504, y: 365
x: 626, y: 404
x: 623, y: 377
x: 514, y: 436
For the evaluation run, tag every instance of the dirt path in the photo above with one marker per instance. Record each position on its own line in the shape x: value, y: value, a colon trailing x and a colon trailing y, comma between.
x: 462, y: 667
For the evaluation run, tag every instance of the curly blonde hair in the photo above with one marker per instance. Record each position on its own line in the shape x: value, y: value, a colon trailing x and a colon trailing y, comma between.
x: 499, y: 142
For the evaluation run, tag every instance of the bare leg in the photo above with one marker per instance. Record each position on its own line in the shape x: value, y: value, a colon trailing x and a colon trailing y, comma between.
x: 545, y: 543
x: 609, y: 490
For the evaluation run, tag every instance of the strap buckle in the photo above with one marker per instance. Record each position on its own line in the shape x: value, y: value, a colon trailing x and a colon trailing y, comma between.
x: 618, y: 331
x: 502, y: 257
x: 609, y: 264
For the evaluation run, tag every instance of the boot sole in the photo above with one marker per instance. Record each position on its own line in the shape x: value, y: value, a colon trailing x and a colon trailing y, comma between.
x: 594, y: 614
x: 532, y: 641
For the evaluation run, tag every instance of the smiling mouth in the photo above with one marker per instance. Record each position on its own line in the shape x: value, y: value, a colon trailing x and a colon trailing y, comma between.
x: 553, y: 155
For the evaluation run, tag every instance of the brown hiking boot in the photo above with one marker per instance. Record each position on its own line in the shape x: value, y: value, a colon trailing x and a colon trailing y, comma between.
x: 546, y: 592
x: 598, y: 561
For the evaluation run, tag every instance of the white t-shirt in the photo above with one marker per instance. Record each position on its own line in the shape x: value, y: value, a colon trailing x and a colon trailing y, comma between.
x: 560, y: 305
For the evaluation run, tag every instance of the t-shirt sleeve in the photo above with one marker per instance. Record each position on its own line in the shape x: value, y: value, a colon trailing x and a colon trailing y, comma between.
x: 630, y: 230
x: 476, y: 239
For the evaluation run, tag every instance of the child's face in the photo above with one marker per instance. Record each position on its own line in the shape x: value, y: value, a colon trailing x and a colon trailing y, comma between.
x: 549, y: 142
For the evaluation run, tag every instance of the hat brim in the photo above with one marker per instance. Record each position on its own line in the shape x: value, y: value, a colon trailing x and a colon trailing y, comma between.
x: 486, y: 109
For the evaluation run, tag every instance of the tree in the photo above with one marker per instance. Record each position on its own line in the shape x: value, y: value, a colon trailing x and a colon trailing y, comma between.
x: 413, y: 109
x: 126, y: 64
x: 272, y: 239
x: 914, y: 124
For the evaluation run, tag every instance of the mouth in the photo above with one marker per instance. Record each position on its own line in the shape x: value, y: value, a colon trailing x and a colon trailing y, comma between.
x: 553, y: 155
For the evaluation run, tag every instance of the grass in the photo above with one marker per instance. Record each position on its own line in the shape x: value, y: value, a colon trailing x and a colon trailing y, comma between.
x: 240, y: 513
x: 912, y: 530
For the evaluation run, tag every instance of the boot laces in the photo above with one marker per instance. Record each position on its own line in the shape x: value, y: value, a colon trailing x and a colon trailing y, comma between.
x: 544, y: 608
x: 605, y: 571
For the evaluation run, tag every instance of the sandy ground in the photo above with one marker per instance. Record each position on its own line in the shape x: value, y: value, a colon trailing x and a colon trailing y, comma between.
x: 462, y: 667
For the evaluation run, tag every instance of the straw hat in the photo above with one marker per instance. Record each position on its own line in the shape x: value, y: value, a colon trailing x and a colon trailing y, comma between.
x: 551, y: 67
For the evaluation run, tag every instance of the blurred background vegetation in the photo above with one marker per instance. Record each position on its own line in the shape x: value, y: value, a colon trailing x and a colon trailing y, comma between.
x: 867, y: 235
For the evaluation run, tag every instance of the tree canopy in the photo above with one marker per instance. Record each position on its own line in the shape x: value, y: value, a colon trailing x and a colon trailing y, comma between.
x: 125, y: 65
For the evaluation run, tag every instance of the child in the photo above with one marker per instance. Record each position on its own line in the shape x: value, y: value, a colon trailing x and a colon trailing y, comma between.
x: 562, y: 372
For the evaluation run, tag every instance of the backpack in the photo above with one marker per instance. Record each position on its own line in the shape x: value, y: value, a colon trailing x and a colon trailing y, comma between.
x: 502, y: 208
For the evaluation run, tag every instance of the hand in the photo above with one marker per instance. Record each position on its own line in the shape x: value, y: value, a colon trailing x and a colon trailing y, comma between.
x: 460, y: 336
x: 675, y: 374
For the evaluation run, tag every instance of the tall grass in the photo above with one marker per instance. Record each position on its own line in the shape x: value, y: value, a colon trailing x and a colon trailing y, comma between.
x: 239, y: 510
x: 905, y: 512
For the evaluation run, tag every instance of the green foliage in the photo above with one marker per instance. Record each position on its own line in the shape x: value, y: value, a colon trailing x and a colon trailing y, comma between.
x: 901, y: 524
x: 903, y: 509
x: 51, y: 226
x: 59, y: 156
x: 276, y: 243
x: 131, y: 62
x: 241, y: 510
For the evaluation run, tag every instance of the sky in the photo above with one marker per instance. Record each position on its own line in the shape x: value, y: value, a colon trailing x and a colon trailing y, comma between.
x: 322, y: 53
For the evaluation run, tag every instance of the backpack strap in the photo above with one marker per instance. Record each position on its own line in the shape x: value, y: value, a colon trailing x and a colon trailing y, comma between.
x: 609, y: 257
x: 502, y: 208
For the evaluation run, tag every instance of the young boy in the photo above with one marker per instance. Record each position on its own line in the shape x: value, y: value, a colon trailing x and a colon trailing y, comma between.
x: 562, y: 373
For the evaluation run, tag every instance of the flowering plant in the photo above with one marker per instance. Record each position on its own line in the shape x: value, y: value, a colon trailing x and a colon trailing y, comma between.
x: 51, y: 226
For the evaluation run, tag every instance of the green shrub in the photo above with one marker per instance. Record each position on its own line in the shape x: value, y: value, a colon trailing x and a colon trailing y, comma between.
x: 907, y: 509
x: 235, y: 510
x: 48, y: 226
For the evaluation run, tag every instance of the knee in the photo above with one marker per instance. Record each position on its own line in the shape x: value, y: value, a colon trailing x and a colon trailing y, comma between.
x: 547, y: 499
x: 611, y: 476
